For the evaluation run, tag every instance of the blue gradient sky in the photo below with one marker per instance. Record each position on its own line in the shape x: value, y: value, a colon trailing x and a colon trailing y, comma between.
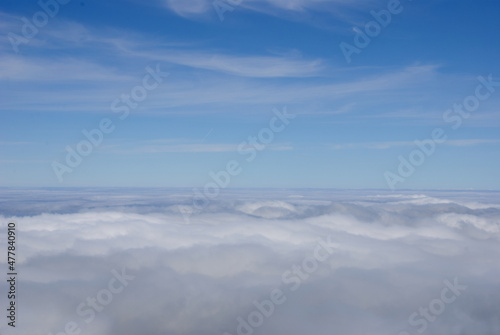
x: 352, y: 120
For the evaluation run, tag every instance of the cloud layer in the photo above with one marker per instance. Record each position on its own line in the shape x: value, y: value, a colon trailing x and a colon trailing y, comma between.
x: 391, y: 254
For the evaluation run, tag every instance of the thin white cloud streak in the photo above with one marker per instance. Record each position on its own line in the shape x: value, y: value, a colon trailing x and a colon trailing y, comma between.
x: 247, y: 66
x: 24, y: 161
x: 160, y: 146
x: 17, y: 143
x: 188, y: 7
x: 348, y: 12
x: 23, y: 69
x: 35, y: 69
x: 301, y: 5
x: 395, y: 144
x: 279, y: 8
x: 470, y: 142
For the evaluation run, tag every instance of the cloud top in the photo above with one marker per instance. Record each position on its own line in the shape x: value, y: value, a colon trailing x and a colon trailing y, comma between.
x: 391, y: 253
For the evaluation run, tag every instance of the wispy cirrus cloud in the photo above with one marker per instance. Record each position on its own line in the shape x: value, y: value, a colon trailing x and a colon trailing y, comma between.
x: 136, y: 47
x: 198, y: 8
x: 395, y: 144
x: 35, y: 69
x: 89, y: 84
x: 254, y: 67
x: 180, y: 146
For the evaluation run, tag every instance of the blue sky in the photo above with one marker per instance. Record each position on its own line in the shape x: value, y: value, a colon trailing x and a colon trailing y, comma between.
x: 353, y: 120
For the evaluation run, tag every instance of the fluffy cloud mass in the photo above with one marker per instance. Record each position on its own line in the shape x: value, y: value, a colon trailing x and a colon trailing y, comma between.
x: 144, y: 261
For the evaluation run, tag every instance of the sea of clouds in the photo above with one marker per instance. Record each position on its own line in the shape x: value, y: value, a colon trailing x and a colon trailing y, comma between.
x: 253, y: 262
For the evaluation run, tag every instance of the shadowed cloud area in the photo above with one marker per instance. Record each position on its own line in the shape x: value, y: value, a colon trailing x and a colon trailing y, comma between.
x: 345, y: 262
